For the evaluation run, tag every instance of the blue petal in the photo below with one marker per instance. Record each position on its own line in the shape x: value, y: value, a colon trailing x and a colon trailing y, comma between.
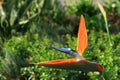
x: 65, y: 50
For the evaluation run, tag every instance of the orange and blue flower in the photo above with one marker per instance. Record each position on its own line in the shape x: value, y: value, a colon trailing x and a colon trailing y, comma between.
x: 79, y: 63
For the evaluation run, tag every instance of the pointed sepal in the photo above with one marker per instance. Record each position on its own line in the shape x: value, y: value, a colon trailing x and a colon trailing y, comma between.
x: 82, y: 41
x: 65, y: 50
x: 73, y: 64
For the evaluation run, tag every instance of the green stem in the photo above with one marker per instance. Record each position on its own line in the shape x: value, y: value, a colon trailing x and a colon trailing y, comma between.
x: 105, y: 77
x: 108, y: 33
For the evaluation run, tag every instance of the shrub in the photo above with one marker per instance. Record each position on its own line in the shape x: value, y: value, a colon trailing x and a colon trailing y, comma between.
x: 37, y: 50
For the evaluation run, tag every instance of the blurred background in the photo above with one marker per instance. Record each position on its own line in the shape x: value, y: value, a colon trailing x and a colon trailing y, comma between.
x: 28, y: 29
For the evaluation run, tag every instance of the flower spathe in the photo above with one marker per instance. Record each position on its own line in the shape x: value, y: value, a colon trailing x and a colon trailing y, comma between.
x: 78, y: 63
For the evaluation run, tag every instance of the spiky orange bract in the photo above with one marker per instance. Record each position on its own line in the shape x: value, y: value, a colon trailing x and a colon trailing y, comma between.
x: 73, y: 64
x: 82, y: 36
x: 59, y: 62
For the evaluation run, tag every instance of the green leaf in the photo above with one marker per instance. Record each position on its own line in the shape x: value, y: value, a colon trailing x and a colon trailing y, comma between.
x: 2, y: 15
x: 13, y: 16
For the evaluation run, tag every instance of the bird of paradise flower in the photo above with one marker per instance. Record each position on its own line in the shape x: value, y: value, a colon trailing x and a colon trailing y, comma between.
x: 79, y: 63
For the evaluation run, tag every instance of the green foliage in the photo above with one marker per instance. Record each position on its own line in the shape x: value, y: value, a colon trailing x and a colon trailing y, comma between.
x: 90, y: 12
x: 16, y: 16
x: 113, y: 6
x: 43, y: 26
x: 37, y: 49
x: 102, y: 52
x: 10, y: 65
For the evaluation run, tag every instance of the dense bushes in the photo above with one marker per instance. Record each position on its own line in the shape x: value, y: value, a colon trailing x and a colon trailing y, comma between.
x: 26, y: 40
x: 37, y: 49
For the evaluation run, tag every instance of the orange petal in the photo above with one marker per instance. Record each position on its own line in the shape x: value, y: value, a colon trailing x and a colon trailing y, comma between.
x: 82, y: 37
x: 73, y: 64
x: 59, y: 62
